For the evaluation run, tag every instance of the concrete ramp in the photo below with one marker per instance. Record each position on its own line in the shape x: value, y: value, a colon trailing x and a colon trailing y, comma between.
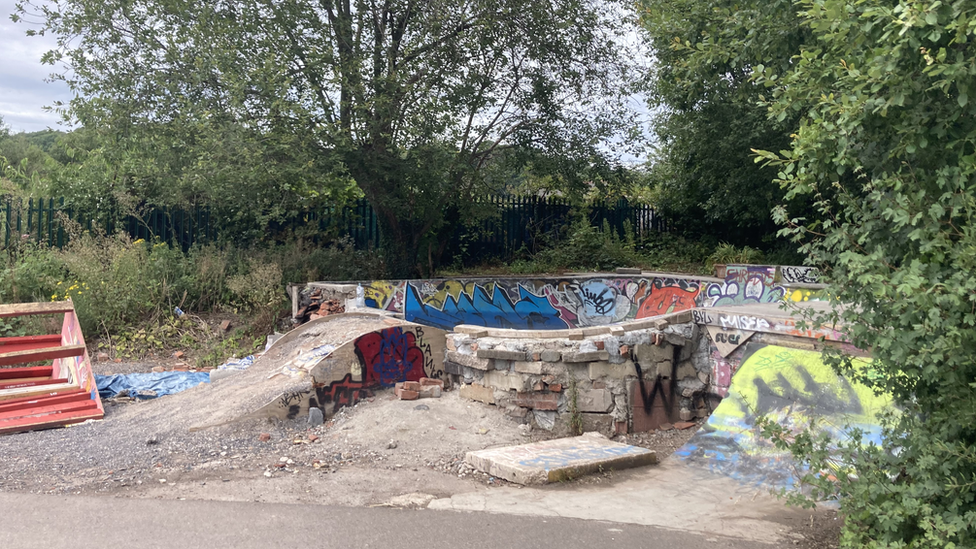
x: 327, y: 363
x: 796, y: 389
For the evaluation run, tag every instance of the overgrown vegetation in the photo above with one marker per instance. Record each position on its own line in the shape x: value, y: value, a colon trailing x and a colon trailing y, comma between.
x: 126, y: 292
x: 881, y: 147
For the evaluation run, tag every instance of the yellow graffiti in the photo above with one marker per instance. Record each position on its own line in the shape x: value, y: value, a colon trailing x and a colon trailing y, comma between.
x: 382, y: 292
x: 776, y: 379
x: 800, y: 294
x: 436, y: 295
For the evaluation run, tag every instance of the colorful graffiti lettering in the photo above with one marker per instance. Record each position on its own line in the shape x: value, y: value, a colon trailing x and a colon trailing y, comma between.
x: 744, y: 284
x: 344, y: 392
x: 383, y: 294
x: 483, y: 307
x: 390, y: 356
x: 800, y: 275
x: 668, y: 296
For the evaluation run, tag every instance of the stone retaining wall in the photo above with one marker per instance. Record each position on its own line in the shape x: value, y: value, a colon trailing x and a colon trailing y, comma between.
x: 624, y: 379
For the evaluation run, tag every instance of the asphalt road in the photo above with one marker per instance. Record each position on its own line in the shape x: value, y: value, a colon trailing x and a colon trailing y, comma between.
x: 52, y: 522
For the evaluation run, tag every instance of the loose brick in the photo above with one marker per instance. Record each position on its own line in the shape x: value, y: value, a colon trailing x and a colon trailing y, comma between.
x: 537, y: 401
x: 430, y: 391
x: 427, y: 382
x: 411, y: 386
x: 404, y: 394
x: 556, y: 387
x: 601, y: 345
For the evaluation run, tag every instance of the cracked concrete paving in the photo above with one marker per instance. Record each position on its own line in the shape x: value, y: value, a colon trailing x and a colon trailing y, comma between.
x: 670, y: 495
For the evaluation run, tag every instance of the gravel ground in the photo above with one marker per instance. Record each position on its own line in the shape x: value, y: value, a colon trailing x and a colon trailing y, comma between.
x: 382, y: 451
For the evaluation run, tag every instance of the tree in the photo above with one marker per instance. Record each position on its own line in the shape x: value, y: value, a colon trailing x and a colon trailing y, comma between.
x: 708, y: 115
x: 409, y: 99
x: 885, y: 146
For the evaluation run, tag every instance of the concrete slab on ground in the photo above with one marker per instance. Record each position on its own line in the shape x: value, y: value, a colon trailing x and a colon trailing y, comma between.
x: 671, y: 495
x: 559, y: 459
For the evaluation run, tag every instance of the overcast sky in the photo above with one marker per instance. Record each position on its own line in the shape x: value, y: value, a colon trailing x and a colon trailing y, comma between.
x: 23, y: 90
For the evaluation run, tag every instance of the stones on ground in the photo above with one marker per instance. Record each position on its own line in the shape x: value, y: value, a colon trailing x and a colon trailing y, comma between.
x: 685, y: 425
x: 421, y: 407
x: 391, y: 445
x: 315, y: 416
x: 525, y: 429
x: 264, y: 437
x: 152, y: 440
x: 545, y: 420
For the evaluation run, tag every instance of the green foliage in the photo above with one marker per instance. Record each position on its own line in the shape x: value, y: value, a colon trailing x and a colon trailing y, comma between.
x: 255, y: 102
x: 885, y: 149
x: 708, y: 113
x: 729, y: 254
x: 586, y: 247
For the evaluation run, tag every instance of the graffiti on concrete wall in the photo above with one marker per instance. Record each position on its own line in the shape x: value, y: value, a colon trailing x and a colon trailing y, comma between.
x: 793, y: 387
x: 666, y: 296
x: 482, y: 306
x: 744, y: 284
x: 799, y: 275
x: 384, y: 294
x: 390, y: 356
x: 560, y: 303
x: 802, y: 294
x: 546, y: 304
x: 376, y: 359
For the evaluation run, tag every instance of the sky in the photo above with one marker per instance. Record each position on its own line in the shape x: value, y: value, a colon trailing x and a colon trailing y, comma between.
x: 23, y: 90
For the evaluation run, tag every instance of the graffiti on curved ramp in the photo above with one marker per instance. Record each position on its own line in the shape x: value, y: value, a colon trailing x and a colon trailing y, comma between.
x: 793, y: 387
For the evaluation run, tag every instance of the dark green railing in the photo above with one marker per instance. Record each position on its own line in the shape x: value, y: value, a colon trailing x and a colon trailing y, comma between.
x: 520, y: 224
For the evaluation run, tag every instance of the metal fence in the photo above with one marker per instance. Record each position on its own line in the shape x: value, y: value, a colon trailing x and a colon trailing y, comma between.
x: 514, y: 224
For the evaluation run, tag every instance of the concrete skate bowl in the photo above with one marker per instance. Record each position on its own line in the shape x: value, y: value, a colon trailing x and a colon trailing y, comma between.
x: 327, y: 363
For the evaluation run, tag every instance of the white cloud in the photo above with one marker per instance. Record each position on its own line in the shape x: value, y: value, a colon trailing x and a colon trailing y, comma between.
x: 23, y: 90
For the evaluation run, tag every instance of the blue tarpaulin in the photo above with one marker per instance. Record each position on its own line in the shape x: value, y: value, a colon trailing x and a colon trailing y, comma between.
x: 149, y: 385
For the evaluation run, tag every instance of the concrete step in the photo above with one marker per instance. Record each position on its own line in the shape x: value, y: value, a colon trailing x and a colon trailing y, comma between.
x: 559, y: 459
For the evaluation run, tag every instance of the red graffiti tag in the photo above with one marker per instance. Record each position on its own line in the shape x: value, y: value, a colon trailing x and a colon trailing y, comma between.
x: 668, y: 299
x: 390, y: 356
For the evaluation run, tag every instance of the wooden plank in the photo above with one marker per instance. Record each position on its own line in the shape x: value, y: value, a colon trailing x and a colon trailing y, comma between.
x: 5, y: 342
x: 21, y: 309
x: 29, y: 404
x: 47, y: 353
x: 60, y: 419
x: 52, y: 394
x: 41, y: 411
x: 20, y: 373
x: 38, y: 383
x: 34, y: 392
